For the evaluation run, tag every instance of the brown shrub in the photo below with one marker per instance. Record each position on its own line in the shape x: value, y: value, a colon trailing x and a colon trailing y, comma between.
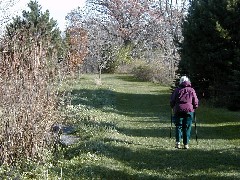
x: 28, y: 101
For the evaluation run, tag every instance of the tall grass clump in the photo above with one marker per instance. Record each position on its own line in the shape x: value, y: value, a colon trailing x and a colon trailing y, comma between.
x: 28, y: 99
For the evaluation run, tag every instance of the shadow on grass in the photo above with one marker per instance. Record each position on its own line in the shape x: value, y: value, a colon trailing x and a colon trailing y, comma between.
x: 122, y: 159
x: 93, y: 98
x: 147, y: 132
x: 145, y: 163
x: 132, y: 105
x: 217, y: 132
x: 142, y: 105
x: 129, y: 78
x: 102, y: 172
x: 229, y: 132
x: 154, y: 107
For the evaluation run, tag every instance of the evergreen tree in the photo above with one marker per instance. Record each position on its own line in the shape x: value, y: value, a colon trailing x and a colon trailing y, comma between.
x: 209, y: 51
x: 231, y: 23
x: 36, y: 28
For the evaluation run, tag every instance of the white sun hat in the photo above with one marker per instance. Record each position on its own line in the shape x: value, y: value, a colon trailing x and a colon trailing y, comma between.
x: 183, y: 79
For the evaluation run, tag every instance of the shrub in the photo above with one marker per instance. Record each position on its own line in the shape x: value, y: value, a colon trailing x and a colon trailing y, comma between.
x: 152, y: 71
x: 28, y: 100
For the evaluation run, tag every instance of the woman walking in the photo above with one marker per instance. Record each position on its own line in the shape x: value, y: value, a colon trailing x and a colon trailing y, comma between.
x: 184, y: 101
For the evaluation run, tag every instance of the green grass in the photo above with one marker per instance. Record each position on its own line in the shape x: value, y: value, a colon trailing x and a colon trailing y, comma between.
x: 123, y: 125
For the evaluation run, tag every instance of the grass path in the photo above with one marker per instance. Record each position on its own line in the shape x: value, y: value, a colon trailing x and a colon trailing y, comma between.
x: 124, y: 129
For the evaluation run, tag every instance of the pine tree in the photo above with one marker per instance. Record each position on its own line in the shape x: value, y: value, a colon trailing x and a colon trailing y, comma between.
x: 36, y: 29
x: 209, y: 51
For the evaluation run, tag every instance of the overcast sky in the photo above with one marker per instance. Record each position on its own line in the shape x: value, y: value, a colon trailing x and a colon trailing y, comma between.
x: 58, y: 8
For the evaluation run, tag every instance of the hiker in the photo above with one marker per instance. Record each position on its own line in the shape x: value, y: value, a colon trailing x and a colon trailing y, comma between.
x: 184, y: 101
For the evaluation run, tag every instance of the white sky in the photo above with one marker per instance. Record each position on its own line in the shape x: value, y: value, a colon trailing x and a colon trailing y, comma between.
x: 58, y: 8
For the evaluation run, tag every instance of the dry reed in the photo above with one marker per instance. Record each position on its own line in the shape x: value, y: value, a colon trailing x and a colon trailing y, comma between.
x: 28, y: 98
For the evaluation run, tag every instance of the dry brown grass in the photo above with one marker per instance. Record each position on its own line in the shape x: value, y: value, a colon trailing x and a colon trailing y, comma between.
x: 28, y: 99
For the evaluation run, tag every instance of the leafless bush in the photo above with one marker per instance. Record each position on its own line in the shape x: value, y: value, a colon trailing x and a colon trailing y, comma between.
x: 152, y: 71
x: 28, y: 99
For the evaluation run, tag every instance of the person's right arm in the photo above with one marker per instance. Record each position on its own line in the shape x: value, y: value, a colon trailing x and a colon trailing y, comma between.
x: 173, y: 99
x: 194, y: 100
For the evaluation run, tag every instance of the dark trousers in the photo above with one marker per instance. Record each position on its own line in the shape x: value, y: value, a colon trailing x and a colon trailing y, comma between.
x: 183, y: 123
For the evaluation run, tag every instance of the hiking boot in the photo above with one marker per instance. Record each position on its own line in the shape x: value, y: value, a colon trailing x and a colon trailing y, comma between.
x: 186, y: 146
x: 178, y: 146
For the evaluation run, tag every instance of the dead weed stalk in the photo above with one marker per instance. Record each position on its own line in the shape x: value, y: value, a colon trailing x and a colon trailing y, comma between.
x: 28, y: 99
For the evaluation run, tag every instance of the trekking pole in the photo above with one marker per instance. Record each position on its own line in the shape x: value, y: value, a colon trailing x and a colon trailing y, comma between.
x: 195, y: 122
x: 171, y: 123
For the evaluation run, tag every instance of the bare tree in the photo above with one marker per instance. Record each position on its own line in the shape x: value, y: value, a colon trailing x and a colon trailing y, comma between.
x: 77, y: 42
x: 5, y: 12
x: 100, y: 39
x: 143, y: 28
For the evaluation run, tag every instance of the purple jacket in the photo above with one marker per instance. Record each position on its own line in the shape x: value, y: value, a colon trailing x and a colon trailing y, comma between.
x: 184, y: 98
